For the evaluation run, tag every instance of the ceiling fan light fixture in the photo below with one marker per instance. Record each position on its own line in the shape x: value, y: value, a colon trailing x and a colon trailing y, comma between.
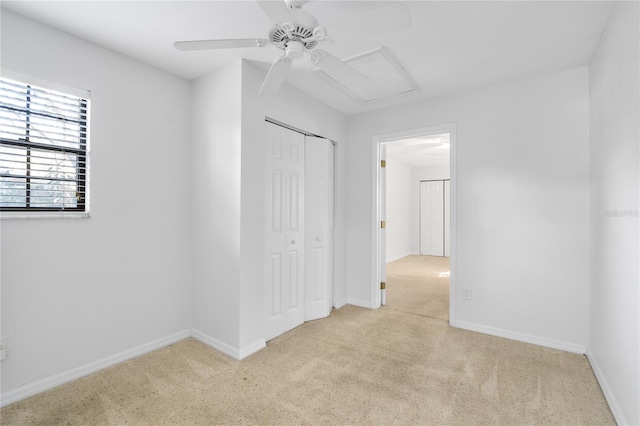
x: 294, y: 49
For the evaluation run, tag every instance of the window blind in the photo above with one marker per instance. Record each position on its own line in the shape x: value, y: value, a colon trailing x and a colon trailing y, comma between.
x: 43, y: 149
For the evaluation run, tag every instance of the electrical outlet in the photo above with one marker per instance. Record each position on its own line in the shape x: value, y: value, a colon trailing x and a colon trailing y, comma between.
x: 3, y: 348
x: 466, y: 293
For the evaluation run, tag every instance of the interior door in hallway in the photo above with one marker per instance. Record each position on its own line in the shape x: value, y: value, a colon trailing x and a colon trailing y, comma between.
x: 284, y: 265
x: 432, y: 218
x: 318, y: 288
x: 447, y: 218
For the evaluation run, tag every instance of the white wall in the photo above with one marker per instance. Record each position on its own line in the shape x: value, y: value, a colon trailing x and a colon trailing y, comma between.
x: 76, y: 292
x: 522, y: 204
x: 398, y: 210
x: 215, y: 205
x: 228, y: 203
x: 614, y: 346
x: 419, y: 174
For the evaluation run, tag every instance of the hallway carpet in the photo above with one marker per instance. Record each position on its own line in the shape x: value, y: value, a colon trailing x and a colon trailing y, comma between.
x: 419, y: 285
x: 357, y: 367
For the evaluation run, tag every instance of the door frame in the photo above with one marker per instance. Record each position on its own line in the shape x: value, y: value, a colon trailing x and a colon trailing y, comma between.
x: 376, y: 186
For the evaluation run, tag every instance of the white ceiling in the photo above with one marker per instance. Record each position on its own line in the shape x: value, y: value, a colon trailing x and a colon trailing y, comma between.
x: 451, y: 46
x: 420, y: 151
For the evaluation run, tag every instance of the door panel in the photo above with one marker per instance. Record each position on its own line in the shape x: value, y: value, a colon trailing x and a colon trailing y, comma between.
x: 319, y: 228
x: 432, y: 218
x: 284, y: 266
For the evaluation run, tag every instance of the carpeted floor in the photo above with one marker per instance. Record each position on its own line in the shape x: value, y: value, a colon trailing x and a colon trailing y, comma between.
x: 419, y: 285
x: 359, y: 366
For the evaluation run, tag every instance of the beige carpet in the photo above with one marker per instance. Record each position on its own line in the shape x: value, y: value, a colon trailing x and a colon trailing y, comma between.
x: 359, y: 366
x: 419, y: 285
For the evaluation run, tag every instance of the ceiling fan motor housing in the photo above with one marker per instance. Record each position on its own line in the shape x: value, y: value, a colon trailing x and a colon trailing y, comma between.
x: 281, y: 37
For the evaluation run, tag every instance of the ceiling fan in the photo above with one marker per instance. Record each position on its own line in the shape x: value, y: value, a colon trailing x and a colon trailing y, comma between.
x: 297, y: 32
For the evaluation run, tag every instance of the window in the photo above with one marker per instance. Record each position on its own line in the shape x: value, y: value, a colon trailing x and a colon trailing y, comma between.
x: 43, y: 149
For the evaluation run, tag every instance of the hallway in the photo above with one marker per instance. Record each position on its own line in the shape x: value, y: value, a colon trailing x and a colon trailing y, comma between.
x: 419, y: 285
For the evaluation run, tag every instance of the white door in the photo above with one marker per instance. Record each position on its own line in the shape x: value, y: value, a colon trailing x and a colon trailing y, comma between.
x: 284, y: 266
x: 432, y: 218
x: 447, y: 218
x: 319, y: 228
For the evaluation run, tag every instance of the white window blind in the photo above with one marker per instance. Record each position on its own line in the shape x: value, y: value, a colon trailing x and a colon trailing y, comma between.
x: 43, y: 149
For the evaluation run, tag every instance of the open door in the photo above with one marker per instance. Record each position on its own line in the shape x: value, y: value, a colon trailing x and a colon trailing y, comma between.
x: 319, y: 228
x: 383, y: 224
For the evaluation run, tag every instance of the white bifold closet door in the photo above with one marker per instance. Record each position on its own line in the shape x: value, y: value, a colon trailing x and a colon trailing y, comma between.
x: 299, y: 229
x: 432, y: 218
x: 318, y: 298
x: 284, y: 268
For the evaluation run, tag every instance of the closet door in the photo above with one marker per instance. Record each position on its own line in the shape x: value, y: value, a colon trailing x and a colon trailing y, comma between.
x: 319, y: 228
x: 447, y: 218
x: 432, y: 218
x: 284, y: 266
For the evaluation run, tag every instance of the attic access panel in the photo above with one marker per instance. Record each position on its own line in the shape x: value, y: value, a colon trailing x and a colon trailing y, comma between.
x: 389, y: 80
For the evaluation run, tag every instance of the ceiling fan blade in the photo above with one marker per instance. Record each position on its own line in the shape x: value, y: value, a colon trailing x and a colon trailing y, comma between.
x: 276, y: 76
x: 340, y: 71
x: 277, y: 11
x: 219, y: 44
x: 381, y: 21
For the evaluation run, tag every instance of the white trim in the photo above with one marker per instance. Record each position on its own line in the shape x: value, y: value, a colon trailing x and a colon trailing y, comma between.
x: 227, y: 349
x: 360, y: 303
x: 216, y: 344
x: 355, y: 302
x: 45, y: 84
x: 90, y: 368
x: 340, y: 303
x: 43, y: 215
x: 615, y: 408
x: 375, y: 208
x: 522, y: 337
x: 252, y: 348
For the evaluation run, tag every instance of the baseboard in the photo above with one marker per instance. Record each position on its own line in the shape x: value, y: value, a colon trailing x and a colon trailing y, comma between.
x: 252, y: 348
x: 76, y: 373
x: 339, y: 304
x: 521, y: 337
x: 616, y: 410
x: 219, y: 345
x: 226, y: 348
x: 358, y: 302
x: 355, y: 302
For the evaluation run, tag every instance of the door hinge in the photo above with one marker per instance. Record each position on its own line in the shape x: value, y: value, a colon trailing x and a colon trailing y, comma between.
x: 383, y: 163
x: 383, y: 224
x: 383, y: 285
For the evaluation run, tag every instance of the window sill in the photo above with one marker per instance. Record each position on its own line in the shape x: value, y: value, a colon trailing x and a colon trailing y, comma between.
x: 44, y: 215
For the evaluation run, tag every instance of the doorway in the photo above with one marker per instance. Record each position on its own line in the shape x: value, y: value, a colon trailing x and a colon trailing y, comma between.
x: 432, y: 143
